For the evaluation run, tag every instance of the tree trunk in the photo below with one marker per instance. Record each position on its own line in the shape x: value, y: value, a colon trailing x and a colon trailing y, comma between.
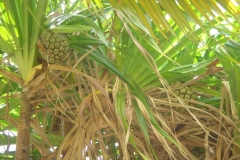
x: 23, y: 135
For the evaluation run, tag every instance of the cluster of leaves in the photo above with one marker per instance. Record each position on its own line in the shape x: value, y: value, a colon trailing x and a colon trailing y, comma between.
x: 112, y: 97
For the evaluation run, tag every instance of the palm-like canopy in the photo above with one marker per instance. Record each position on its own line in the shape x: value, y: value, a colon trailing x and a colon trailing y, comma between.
x: 115, y: 95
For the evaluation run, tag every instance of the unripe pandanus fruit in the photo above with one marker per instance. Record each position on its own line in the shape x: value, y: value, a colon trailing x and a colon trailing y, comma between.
x: 183, y: 92
x: 53, y: 47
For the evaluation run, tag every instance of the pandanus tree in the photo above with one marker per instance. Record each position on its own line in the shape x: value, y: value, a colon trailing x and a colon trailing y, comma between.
x: 120, y: 79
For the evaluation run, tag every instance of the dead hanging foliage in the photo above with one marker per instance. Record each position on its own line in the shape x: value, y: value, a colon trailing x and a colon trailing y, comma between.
x: 87, y: 115
x: 205, y: 130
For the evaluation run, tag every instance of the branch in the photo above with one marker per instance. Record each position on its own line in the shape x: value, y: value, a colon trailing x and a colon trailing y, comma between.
x: 11, y: 76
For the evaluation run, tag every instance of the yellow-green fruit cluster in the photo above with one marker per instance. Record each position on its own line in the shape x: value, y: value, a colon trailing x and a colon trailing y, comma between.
x: 53, y: 47
x: 183, y: 92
